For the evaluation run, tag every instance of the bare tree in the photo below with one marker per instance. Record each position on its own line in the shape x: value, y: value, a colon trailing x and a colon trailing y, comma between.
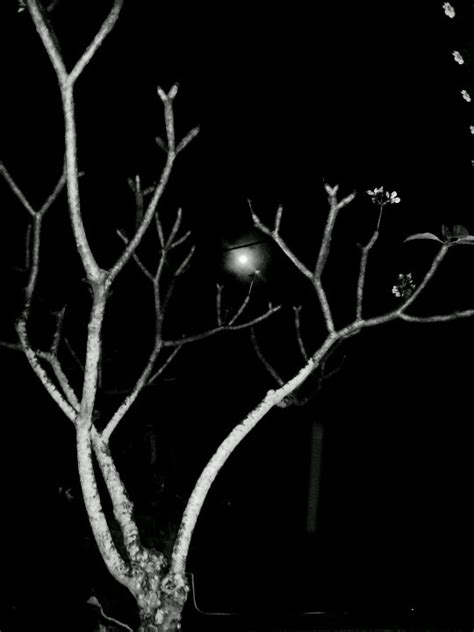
x: 158, y: 581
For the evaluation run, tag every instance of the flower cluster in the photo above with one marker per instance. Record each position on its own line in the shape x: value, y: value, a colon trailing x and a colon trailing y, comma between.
x: 466, y: 96
x: 449, y: 10
x: 404, y: 287
x: 458, y: 58
x: 382, y: 197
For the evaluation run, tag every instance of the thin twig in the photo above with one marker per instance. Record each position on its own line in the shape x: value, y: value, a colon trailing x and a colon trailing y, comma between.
x: 93, y: 601
x: 299, y: 337
x: 438, y: 318
x: 315, y: 280
x: 159, y: 190
x: 52, y: 197
x: 278, y: 216
x: 263, y: 359
x: 187, y: 139
x: 16, y: 190
x: 282, y: 245
x: 143, y: 378
x: 167, y: 362
x: 34, y: 268
x: 136, y: 390
x: 136, y: 258
x: 13, y: 346
x: 363, y: 264
x: 74, y: 355
x: 185, y: 263
x: 175, y: 228
x: 136, y: 187
x: 181, y: 240
x: 57, y: 333
x: 334, y: 208
x: 219, y: 304
x: 32, y: 358
x: 28, y: 247
x: 243, y: 305
x: 159, y: 230
x: 215, y: 330
x: 426, y: 279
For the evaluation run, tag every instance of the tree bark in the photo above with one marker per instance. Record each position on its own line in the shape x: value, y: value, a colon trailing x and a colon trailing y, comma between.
x: 161, y: 602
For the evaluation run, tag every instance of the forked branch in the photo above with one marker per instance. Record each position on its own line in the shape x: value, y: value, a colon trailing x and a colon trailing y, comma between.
x: 316, y: 361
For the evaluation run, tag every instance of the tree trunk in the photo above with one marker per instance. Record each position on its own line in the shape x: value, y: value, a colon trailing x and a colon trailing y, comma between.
x: 160, y: 603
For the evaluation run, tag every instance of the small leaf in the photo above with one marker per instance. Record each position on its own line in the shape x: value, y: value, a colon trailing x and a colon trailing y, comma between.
x: 430, y: 236
x: 93, y: 601
x: 459, y: 231
x: 468, y: 240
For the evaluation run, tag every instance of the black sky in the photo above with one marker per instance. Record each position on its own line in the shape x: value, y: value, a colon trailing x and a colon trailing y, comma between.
x: 357, y: 93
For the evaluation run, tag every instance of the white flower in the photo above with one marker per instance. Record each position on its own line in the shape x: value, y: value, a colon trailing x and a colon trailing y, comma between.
x: 394, y: 199
x: 449, y: 10
x: 458, y: 58
x: 382, y: 197
x: 466, y: 96
x: 404, y: 286
x: 375, y: 192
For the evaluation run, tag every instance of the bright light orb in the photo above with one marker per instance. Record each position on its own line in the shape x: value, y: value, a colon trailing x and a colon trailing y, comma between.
x: 243, y: 260
x: 246, y: 261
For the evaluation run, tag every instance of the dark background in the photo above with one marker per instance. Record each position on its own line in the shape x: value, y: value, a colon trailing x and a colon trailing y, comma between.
x: 286, y: 98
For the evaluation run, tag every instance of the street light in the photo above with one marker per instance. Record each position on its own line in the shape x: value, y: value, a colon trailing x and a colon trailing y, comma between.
x: 246, y: 260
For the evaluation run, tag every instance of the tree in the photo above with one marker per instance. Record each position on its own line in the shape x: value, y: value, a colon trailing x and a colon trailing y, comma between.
x: 157, y: 580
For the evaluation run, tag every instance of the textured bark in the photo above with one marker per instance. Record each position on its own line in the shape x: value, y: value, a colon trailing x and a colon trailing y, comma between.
x: 160, y: 596
x: 116, y: 565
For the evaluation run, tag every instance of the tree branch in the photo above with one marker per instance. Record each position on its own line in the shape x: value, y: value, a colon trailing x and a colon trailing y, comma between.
x: 363, y: 264
x: 33, y: 247
x: 132, y: 245
x: 160, y: 305
x: 102, y: 33
x: 168, y: 361
x: 67, y: 389
x: 243, y: 305
x: 93, y: 355
x: 33, y: 360
x: 299, y: 337
x: 227, y: 447
x: 136, y: 258
x: 334, y: 208
x: 122, y: 506
x: 49, y: 40
x: 211, y: 332
x: 117, y: 566
x: 438, y: 318
x: 263, y: 359
x: 16, y: 190
x: 281, y: 244
x: 66, y: 83
x: 427, y: 278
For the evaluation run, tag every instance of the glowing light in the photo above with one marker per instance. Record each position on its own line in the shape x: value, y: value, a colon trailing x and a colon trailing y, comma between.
x: 243, y: 259
x: 246, y: 261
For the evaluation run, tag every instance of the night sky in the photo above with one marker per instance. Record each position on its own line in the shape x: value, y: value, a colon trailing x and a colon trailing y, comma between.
x: 360, y: 94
